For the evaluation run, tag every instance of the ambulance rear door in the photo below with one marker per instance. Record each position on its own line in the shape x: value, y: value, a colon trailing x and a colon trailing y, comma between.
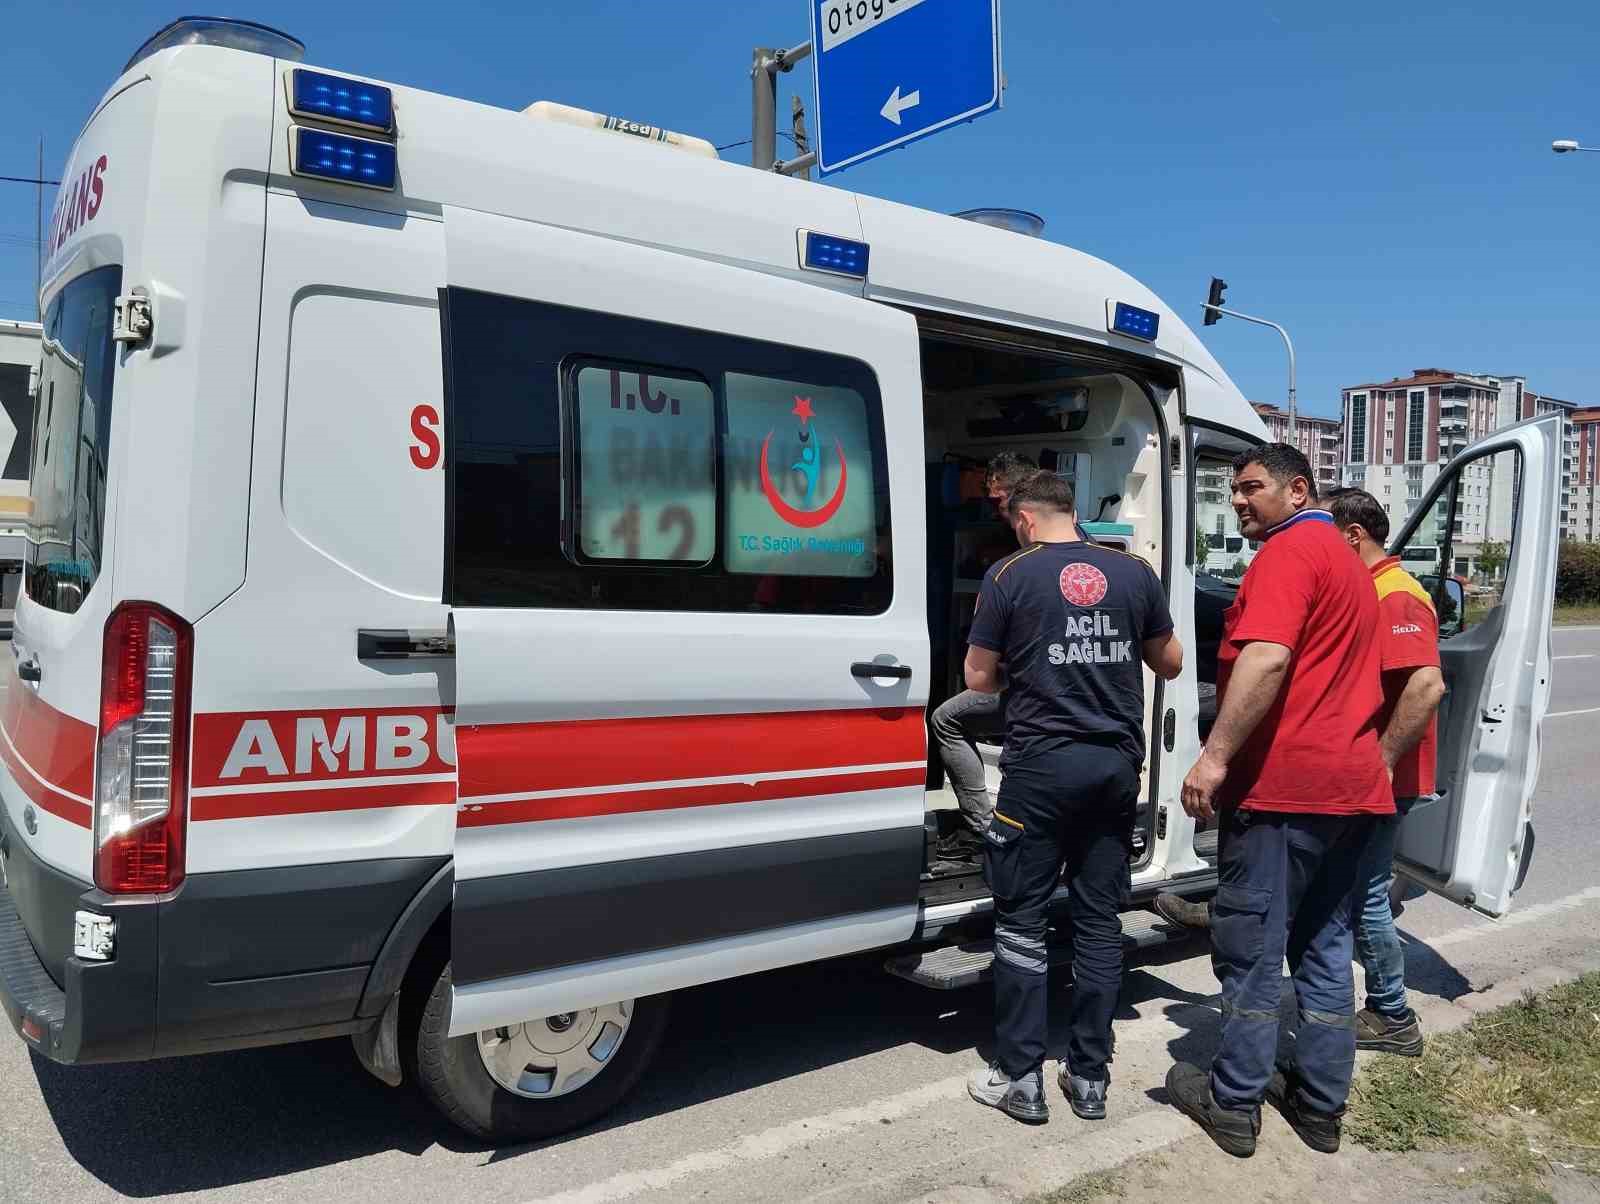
x: 1474, y: 844
x: 685, y: 564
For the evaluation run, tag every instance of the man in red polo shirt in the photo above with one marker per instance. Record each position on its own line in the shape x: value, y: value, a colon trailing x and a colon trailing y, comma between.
x: 1294, y: 769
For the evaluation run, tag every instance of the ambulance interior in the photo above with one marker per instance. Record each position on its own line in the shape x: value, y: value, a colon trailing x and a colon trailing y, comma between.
x: 1092, y: 422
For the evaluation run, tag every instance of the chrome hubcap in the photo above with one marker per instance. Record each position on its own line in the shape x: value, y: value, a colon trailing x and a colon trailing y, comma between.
x: 554, y: 1055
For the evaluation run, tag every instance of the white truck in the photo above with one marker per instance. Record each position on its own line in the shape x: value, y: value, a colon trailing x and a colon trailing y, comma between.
x: 487, y: 574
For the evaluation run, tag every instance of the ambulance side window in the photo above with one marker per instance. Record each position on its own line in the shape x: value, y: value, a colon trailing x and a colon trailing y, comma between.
x: 646, y: 485
x: 800, y: 488
x: 605, y: 462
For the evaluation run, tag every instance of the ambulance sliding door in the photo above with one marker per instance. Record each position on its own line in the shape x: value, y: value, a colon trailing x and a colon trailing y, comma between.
x: 691, y: 656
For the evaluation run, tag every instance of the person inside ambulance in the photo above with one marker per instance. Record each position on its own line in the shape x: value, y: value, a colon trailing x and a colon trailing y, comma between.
x: 1075, y: 624
x: 960, y: 719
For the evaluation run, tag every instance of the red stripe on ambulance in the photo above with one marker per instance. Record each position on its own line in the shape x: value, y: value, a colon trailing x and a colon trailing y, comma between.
x: 49, y: 753
x: 576, y: 767
x: 299, y: 763
x: 518, y: 757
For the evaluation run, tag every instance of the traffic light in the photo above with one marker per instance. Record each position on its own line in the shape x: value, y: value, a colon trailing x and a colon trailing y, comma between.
x: 1214, y: 297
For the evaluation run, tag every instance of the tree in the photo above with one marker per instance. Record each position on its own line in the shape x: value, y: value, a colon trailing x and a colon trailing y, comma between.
x: 1577, y: 573
x: 1491, y: 559
x: 1201, y: 548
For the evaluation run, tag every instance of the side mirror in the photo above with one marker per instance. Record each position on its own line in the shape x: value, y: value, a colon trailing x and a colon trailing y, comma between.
x: 1450, y: 601
x: 1455, y: 605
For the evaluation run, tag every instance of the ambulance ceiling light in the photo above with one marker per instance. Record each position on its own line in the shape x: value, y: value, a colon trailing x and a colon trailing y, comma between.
x: 222, y: 31
x: 335, y: 98
x: 1136, y: 323
x: 827, y: 253
x: 342, y: 158
x: 1018, y: 221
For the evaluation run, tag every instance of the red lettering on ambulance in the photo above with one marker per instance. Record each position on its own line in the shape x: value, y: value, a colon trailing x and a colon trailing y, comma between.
x: 423, y: 421
x: 320, y: 746
x: 97, y: 188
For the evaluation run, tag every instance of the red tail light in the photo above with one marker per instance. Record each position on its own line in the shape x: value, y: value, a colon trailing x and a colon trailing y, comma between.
x: 141, y: 779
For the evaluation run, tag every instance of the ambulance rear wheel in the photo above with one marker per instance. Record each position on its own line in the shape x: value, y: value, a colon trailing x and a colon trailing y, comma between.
x: 542, y: 1077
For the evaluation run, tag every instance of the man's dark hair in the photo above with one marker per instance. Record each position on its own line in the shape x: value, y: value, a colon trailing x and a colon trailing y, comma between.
x: 1283, y: 462
x: 1044, y: 489
x: 1007, y: 468
x: 1357, y: 506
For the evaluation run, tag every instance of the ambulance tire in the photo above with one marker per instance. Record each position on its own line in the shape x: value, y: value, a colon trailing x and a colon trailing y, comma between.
x: 453, y: 1078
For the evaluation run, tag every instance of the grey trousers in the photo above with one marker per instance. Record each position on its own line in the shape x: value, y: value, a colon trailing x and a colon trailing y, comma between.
x: 960, y: 753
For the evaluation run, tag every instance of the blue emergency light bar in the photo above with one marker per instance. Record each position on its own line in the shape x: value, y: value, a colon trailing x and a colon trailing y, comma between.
x: 341, y: 158
x: 1134, y: 322
x: 825, y: 253
x: 346, y: 101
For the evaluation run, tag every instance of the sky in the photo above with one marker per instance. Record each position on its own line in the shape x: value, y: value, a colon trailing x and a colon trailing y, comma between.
x: 1377, y: 177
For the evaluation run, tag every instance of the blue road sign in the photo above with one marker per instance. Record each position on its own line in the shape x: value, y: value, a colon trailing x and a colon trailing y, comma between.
x: 889, y: 72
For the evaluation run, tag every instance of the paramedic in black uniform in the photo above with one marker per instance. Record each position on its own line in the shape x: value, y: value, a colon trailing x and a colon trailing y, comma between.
x: 1075, y: 624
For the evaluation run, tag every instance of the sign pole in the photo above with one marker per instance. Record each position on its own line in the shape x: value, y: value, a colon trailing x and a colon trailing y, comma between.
x: 763, y: 109
x: 765, y: 63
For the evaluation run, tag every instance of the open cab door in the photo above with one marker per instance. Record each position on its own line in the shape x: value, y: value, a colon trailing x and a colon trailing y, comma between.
x: 1474, y: 845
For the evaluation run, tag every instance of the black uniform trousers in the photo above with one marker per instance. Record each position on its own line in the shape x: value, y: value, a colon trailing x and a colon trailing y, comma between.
x: 1075, y: 807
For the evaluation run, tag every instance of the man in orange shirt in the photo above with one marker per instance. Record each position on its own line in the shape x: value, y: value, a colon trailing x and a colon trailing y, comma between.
x: 1413, y: 686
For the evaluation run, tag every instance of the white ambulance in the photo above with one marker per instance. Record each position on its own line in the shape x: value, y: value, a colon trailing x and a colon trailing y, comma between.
x: 487, y: 574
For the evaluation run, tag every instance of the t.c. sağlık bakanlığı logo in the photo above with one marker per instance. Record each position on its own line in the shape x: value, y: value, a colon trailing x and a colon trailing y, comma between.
x: 1083, y: 584
x: 808, y: 466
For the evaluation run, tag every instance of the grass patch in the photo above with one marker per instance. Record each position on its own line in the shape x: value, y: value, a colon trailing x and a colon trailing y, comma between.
x: 1575, y: 614
x: 1520, y: 1084
x: 1085, y: 1189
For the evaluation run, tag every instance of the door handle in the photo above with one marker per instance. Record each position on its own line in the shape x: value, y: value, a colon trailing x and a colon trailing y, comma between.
x: 872, y: 669
x: 392, y: 644
x: 30, y: 670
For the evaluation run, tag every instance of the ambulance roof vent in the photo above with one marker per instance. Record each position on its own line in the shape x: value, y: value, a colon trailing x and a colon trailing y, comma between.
x: 1018, y: 221
x: 222, y: 31
x: 548, y: 110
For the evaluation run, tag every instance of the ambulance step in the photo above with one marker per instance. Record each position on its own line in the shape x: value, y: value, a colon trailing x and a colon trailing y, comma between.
x: 951, y: 967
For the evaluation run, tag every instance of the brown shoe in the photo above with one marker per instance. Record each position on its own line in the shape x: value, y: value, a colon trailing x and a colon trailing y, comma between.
x: 1177, y: 910
x: 1385, y: 1034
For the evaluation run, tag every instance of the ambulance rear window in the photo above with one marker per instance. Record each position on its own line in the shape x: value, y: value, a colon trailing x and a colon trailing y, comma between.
x: 71, y: 442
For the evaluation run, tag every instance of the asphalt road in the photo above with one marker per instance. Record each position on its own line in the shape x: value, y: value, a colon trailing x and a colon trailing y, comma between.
x: 821, y: 1081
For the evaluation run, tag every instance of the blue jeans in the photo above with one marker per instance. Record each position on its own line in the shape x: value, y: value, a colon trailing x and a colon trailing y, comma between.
x: 1377, y: 944
x: 1287, y: 886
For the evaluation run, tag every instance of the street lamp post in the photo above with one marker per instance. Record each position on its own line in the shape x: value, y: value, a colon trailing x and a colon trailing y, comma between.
x: 1565, y: 146
x: 1233, y: 313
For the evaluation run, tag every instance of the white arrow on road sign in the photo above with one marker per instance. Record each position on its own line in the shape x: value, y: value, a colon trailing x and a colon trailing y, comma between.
x: 897, y: 104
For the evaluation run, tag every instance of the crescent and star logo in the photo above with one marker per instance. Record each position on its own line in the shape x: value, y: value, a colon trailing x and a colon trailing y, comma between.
x: 1083, y: 584
x: 809, y: 466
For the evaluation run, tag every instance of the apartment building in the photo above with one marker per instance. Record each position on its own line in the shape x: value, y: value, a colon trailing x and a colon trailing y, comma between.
x: 1320, y: 439
x: 1399, y: 434
x: 1526, y: 404
x: 1585, y: 524
x: 1215, y: 520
